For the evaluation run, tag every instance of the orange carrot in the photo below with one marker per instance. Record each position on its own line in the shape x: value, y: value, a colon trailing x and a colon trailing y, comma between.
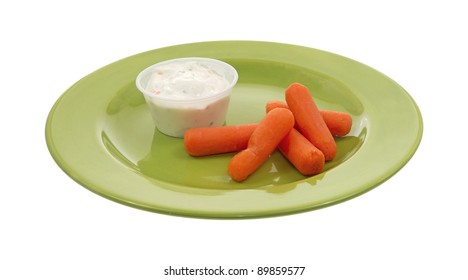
x: 301, y: 153
x: 225, y: 139
x: 205, y: 141
x: 272, y: 104
x: 272, y: 129
x: 307, y: 159
x: 309, y: 120
x: 339, y: 123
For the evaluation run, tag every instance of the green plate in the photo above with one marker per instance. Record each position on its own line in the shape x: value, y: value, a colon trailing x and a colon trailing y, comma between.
x: 101, y: 134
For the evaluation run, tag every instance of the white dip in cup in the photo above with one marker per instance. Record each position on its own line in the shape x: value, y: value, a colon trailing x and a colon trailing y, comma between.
x: 187, y: 92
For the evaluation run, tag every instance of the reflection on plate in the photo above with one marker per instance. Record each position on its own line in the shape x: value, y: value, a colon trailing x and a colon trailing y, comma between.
x: 101, y: 134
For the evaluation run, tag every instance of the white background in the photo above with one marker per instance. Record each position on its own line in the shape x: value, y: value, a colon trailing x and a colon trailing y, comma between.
x: 411, y: 227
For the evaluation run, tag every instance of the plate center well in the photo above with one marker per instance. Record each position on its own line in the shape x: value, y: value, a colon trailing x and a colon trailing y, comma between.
x: 128, y: 132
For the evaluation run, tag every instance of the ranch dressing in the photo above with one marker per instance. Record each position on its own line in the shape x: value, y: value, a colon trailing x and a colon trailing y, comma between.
x: 187, y: 92
x: 185, y: 80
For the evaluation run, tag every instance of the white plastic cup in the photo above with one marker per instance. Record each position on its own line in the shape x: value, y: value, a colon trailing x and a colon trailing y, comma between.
x: 173, y: 115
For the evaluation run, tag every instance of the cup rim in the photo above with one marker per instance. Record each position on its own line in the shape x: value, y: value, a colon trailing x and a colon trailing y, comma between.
x: 163, y: 62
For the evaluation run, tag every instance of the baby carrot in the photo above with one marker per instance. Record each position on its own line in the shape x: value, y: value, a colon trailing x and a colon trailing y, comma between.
x: 272, y: 129
x: 278, y: 104
x: 339, y: 123
x: 205, y: 141
x: 272, y: 104
x: 225, y: 139
x: 307, y: 159
x: 301, y: 153
x: 309, y: 120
